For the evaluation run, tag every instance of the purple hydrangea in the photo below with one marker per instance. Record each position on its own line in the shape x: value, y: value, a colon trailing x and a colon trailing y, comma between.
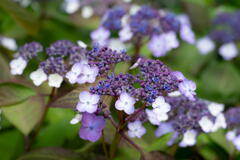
x: 30, y: 50
x: 112, y: 18
x: 92, y: 127
x: 60, y: 48
x: 54, y: 65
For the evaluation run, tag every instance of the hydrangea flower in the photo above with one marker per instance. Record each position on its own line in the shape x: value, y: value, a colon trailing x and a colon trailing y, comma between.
x: 206, y: 124
x: 125, y: 33
x: 156, y: 116
x: 38, y: 77
x: 76, y: 119
x: 17, y: 66
x: 135, y: 129
x: 220, y: 122
x: 186, y: 32
x: 8, y: 42
x: 163, y: 129
x: 187, y: 88
x: 87, y: 12
x: 100, y: 36
x: 75, y: 71
x: 71, y: 6
x: 215, y: 108
x: 88, y: 74
x: 55, y: 80
x: 117, y: 45
x: 125, y: 103
x: 161, y: 104
x: 228, y: 51
x: 161, y: 44
x: 189, y: 138
x: 205, y: 45
x: 88, y: 102
x: 92, y: 127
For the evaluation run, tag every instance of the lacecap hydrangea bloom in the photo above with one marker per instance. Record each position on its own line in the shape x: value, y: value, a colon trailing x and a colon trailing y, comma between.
x: 66, y: 60
x: 135, y: 23
x: 224, y: 33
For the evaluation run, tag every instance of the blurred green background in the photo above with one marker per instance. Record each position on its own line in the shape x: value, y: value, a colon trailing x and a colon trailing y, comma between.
x: 45, y: 21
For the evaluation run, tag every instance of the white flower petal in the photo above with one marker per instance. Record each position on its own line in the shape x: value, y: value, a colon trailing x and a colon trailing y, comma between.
x: 38, y: 77
x: 17, y: 66
x: 55, y: 80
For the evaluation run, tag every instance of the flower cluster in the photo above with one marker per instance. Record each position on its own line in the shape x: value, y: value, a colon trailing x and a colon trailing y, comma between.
x: 233, y: 123
x: 66, y: 59
x: 225, y: 33
x: 135, y: 23
x: 150, y: 87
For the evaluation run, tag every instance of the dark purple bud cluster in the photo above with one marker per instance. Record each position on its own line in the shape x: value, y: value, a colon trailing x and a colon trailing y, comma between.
x: 77, y: 54
x: 104, y: 57
x: 185, y: 114
x: 157, y: 79
x: 112, y: 19
x: 114, y: 85
x: 54, y: 65
x: 29, y: 50
x: 169, y: 22
x: 233, y: 118
x: 145, y: 21
x: 225, y: 27
x: 60, y: 48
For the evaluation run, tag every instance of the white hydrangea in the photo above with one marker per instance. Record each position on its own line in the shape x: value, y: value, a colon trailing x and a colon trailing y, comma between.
x: 206, y: 124
x: 228, y: 51
x: 189, y: 138
x: 87, y: 12
x: 136, y: 129
x: 125, y: 103
x: 88, y: 102
x: 38, y: 77
x: 205, y: 45
x: 17, y: 66
x: 55, y: 80
x: 76, y: 119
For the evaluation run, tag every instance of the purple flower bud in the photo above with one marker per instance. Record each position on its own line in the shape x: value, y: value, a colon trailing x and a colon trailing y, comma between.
x: 54, y: 65
x: 30, y: 50
x: 60, y: 48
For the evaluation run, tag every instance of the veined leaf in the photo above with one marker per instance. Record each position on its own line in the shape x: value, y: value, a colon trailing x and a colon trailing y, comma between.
x: 25, y: 115
x: 13, y: 93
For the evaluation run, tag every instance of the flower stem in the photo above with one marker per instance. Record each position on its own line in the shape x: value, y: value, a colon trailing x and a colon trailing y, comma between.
x: 30, y: 140
x: 104, y: 146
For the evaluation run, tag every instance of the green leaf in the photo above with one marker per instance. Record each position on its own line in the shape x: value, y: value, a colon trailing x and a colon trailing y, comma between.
x: 21, y: 15
x: 71, y: 99
x: 13, y: 93
x: 4, y: 68
x: 57, y: 119
x: 58, y: 154
x: 11, y: 142
x: 25, y: 115
x: 220, y: 82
